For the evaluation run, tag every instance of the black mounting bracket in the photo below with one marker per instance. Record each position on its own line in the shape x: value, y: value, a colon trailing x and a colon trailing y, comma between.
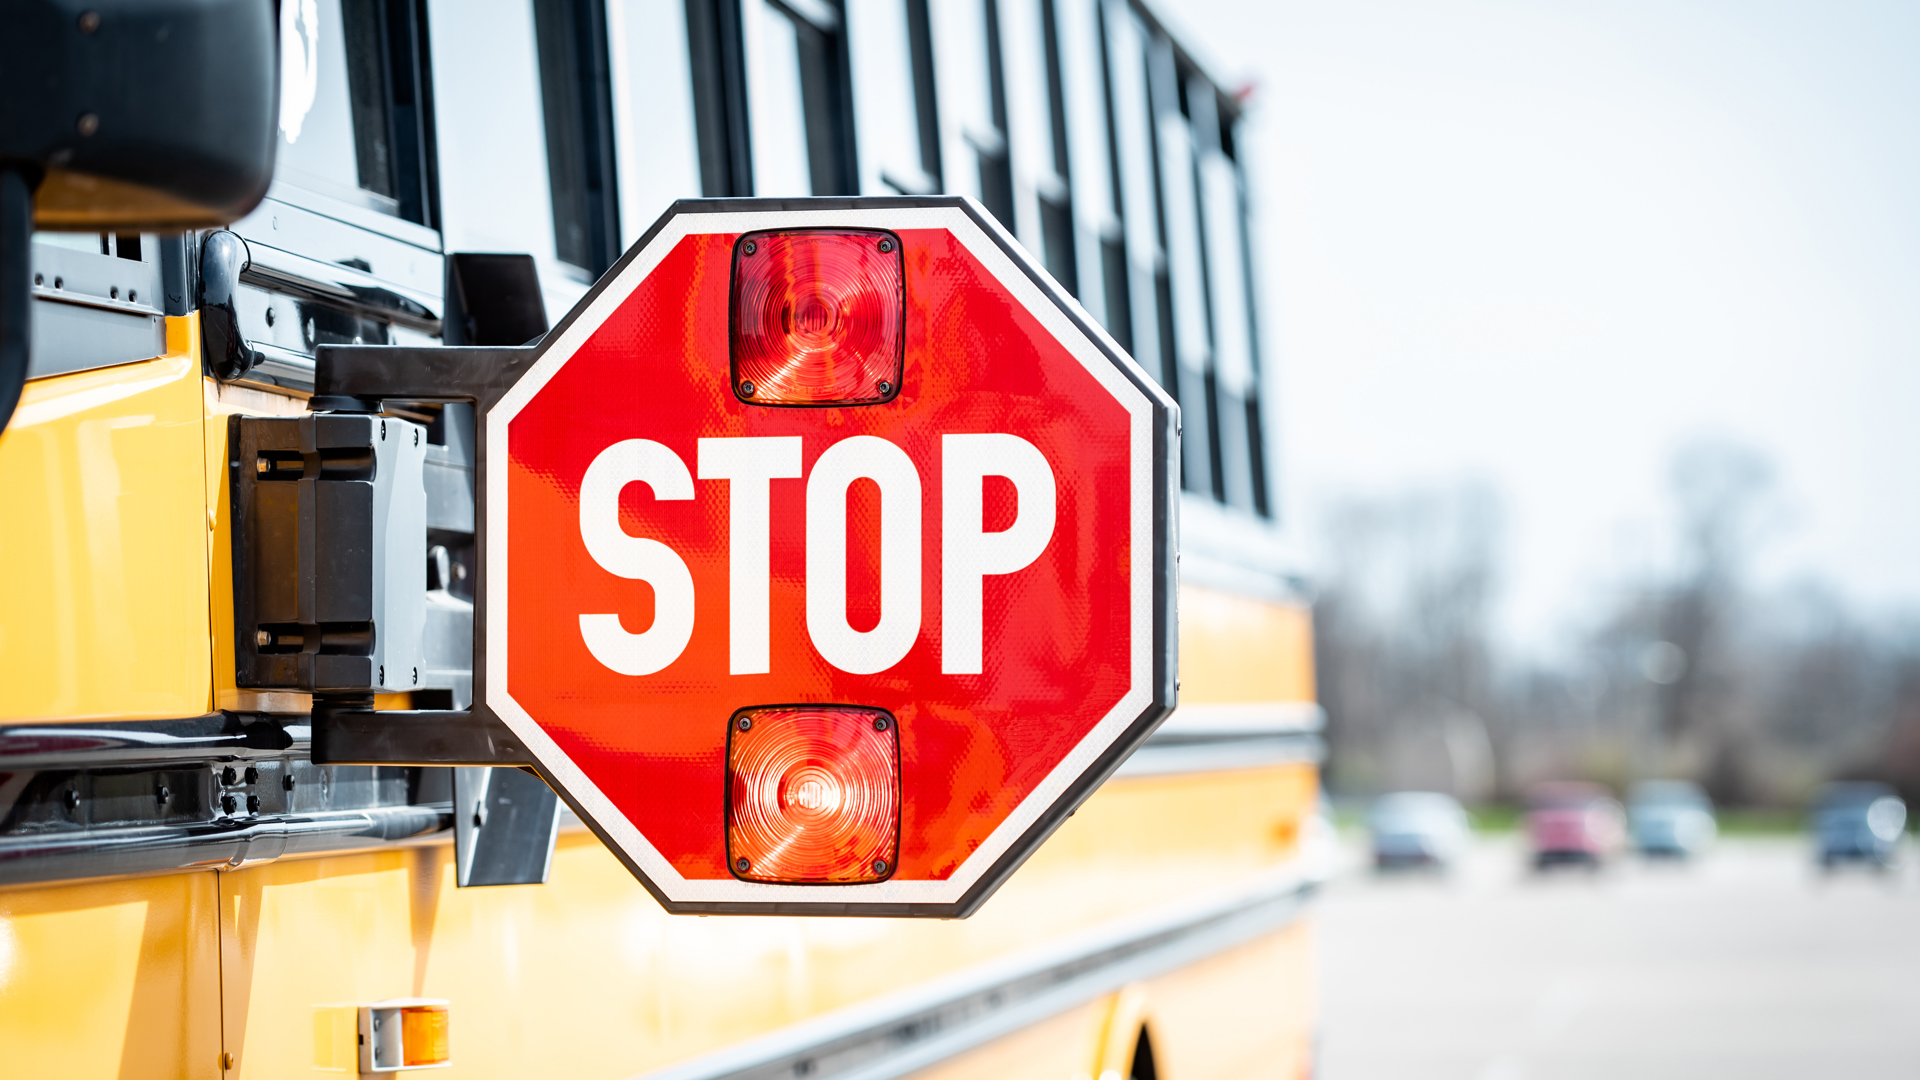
x: 357, y: 378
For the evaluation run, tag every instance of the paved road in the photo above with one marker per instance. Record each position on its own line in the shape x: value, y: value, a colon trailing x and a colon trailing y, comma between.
x: 1749, y: 965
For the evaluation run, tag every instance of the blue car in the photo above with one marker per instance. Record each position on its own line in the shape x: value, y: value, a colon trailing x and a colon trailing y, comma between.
x: 1858, y: 821
x: 1670, y: 819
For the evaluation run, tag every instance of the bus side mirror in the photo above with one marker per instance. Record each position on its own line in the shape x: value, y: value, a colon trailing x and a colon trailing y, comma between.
x: 125, y: 116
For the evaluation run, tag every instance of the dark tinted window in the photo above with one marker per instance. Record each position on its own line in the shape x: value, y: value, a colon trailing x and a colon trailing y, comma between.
x: 578, y: 105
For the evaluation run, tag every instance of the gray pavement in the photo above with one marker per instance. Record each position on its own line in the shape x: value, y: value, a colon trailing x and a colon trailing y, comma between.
x: 1749, y: 964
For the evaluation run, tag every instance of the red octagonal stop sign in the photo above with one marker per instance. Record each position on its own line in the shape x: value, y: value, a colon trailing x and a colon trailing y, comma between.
x: 853, y: 638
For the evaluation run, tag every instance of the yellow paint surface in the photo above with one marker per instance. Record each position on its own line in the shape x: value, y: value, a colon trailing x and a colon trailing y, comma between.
x: 1058, y: 1048
x: 587, y: 977
x: 103, y: 545
x: 110, y: 979
x: 1241, y: 649
x: 1247, y: 1013
x: 114, y: 603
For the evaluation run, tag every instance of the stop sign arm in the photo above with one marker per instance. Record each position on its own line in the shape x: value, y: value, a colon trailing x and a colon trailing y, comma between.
x: 346, y: 729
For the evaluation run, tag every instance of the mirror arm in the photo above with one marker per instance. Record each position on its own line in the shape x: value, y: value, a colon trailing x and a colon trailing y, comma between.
x: 16, y: 284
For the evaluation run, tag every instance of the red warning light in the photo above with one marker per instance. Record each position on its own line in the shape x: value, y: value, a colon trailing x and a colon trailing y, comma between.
x: 813, y: 794
x: 817, y: 317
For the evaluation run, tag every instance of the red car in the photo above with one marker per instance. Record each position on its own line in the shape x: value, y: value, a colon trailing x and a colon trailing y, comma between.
x: 1570, y: 822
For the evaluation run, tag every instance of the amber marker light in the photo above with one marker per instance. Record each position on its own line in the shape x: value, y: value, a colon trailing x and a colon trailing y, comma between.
x: 816, y: 317
x: 423, y: 1032
x: 813, y: 794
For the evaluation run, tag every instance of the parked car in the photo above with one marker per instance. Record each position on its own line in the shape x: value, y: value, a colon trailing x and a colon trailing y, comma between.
x: 1858, y: 821
x: 1418, y: 828
x: 1670, y: 819
x: 1571, y: 822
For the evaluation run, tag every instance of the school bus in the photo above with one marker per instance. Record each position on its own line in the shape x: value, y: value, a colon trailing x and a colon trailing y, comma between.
x: 185, y: 892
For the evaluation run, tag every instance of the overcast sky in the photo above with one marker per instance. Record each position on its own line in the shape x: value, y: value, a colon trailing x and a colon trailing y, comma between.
x: 1545, y: 243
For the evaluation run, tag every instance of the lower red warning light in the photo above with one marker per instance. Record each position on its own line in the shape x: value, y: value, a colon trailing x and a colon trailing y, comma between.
x: 813, y: 794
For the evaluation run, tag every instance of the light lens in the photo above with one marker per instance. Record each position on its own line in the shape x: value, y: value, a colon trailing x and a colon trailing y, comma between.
x: 813, y: 794
x: 817, y: 316
x: 423, y: 1032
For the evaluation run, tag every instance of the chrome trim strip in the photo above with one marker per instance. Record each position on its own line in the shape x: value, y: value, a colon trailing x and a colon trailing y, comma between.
x: 1242, y: 719
x: 1168, y: 759
x: 31, y: 858
x: 1214, y: 737
x: 911, y: 1029
x: 279, y: 369
x: 283, y: 271
x: 213, y: 737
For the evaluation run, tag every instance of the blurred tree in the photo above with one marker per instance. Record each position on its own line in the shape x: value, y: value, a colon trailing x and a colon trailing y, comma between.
x: 1405, y: 660
x: 1720, y: 491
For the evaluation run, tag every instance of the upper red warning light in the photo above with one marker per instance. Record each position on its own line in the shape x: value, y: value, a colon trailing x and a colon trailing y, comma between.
x: 817, y: 317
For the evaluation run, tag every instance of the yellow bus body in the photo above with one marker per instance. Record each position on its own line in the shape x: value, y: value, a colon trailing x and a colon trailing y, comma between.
x: 111, y: 571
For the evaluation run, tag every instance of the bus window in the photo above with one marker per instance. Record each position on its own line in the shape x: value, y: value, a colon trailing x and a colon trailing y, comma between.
x: 1145, y: 272
x: 893, y: 79
x: 1024, y: 63
x: 796, y: 78
x: 1186, y: 266
x: 1175, y: 262
x: 1221, y: 213
x: 973, y: 103
x: 1053, y: 184
x: 578, y: 109
x: 353, y: 121
x: 655, y: 116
